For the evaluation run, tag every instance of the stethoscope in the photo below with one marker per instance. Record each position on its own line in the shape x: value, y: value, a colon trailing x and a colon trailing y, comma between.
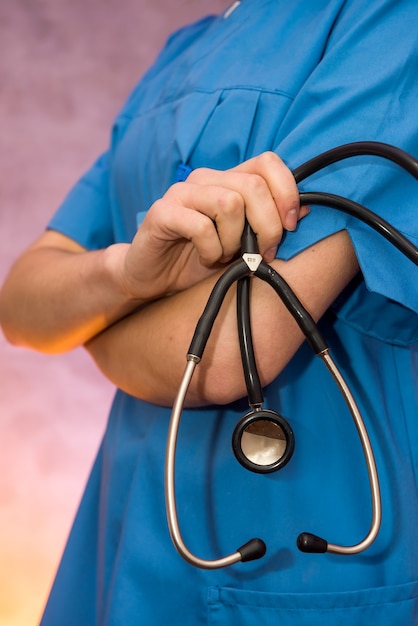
x: 263, y: 441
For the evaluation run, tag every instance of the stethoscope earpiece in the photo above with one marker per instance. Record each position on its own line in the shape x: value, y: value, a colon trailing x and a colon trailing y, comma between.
x: 263, y: 441
x: 311, y: 544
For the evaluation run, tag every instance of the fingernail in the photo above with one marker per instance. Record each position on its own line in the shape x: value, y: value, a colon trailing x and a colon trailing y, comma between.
x: 291, y: 220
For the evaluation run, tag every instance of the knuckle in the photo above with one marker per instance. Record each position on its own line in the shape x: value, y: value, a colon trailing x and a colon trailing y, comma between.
x: 230, y: 203
x: 269, y: 158
x: 203, y: 229
x: 175, y: 190
x: 197, y: 175
x: 255, y: 184
x: 156, y: 209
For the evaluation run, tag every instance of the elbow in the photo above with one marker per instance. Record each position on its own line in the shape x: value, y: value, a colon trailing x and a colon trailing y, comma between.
x: 25, y: 337
x: 220, y: 379
x: 10, y: 337
x: 9, y: 320
x: 39, y: 344
x: 223, y: 383
x: 8, y: 328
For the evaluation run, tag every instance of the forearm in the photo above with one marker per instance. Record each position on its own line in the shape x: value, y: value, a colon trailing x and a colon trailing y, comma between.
x: 144, y: 354
x: 54, y: 300
x: 58, y: 295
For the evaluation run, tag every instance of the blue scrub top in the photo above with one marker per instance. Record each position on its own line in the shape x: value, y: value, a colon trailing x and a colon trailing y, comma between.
x: 297, y: 78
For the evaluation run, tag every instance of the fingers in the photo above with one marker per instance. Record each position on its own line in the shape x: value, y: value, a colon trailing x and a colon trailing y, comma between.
x: 280, y: 211
x: 210, y: 216
x: 209, y: 209
x: 270, y: 196
x: 280, y: 182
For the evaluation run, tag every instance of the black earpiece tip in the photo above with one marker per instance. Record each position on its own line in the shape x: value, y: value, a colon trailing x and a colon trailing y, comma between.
x: 254, y: 549
x: 307, y: 542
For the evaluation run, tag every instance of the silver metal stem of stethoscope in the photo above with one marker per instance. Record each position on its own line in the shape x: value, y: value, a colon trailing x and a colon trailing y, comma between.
x: 170, y: 495
x: 370, y: 462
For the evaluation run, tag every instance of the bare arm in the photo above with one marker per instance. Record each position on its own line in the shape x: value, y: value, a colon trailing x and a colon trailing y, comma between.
x: 144, y: 354
x: 135, y: 305
x: 58, y: 296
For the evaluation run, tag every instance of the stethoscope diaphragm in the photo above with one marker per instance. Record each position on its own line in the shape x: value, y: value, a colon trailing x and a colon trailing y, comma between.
x: 263, y: 441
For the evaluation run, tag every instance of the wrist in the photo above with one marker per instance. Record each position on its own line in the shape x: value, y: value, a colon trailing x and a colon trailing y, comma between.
x: 115, y: 271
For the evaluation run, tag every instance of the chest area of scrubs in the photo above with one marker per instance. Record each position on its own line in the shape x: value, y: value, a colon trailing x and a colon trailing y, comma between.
x: 213, y: 99
x: 217, y: 95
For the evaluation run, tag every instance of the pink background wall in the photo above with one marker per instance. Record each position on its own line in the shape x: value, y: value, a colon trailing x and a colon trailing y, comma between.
x: 65, y: 69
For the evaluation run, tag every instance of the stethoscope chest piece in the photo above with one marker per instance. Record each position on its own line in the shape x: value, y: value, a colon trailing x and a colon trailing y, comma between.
x: 263, y: 441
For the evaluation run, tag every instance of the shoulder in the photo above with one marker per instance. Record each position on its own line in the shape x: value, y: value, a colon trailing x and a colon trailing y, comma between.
x: 177, y: 44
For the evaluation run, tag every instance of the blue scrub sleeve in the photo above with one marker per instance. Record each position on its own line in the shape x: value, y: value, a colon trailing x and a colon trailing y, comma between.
x: 89, y: 214
x: 85, y: 214
x: 342, y: 101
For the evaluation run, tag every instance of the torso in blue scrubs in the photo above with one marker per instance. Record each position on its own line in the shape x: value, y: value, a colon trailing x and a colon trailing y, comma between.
x: 298, y: 78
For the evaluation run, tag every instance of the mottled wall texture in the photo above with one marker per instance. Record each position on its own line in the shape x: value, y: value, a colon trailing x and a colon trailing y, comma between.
x: 65, y: 68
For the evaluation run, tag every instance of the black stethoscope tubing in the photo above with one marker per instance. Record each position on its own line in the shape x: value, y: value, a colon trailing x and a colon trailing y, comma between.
x: 381, y: 226
x: 240, y: 272
x: 308, y: 198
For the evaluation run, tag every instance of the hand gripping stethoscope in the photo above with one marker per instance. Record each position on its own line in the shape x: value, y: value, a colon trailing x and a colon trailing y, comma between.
x: 263, y: 440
